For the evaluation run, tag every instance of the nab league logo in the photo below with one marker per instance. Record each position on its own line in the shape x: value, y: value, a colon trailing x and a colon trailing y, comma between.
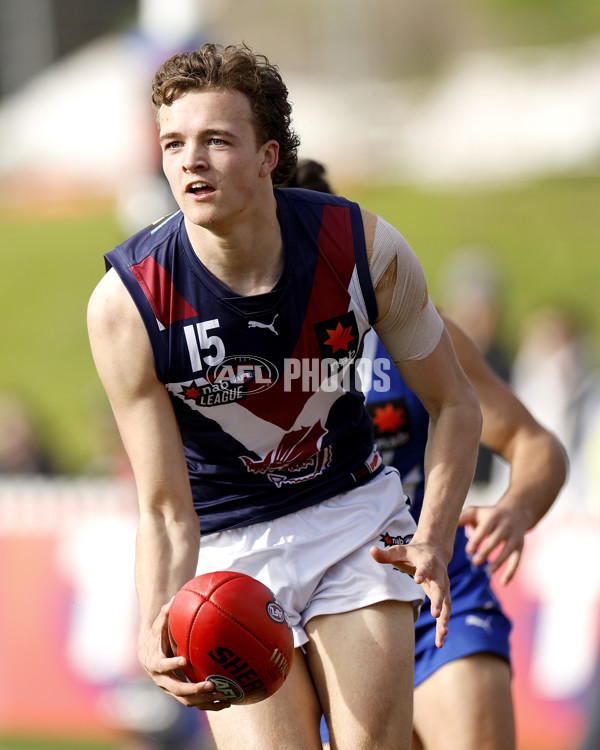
x: 232, y: 379
x: 390, y: 541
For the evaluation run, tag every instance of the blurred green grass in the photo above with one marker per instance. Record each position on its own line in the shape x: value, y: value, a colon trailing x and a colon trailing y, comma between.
x: 23, y: 743
x: 547, y: 236
x: 50, y: 267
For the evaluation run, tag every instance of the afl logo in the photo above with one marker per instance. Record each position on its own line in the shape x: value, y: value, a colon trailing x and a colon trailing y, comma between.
x: 275, y: 612
x: 254, y: 373
x: 230, y: 689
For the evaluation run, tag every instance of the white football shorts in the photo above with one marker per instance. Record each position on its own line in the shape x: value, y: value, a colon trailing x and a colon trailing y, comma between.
x: 317, y: 561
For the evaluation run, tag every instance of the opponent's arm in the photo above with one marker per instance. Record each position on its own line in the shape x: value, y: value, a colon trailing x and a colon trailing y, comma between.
x: 414, y: 336
x: 168, y: 535
x: 538, y: 465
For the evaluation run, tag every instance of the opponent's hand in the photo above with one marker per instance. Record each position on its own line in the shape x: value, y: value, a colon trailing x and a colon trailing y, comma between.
x: 426, y: 566
x: 497, y: 536
x: 164, y: 669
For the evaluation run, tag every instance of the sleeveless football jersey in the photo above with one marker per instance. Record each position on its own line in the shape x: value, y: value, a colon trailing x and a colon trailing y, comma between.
x: 263, y: 387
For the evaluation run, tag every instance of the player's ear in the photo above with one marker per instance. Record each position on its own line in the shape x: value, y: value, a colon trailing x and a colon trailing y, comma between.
x: 270, y: 157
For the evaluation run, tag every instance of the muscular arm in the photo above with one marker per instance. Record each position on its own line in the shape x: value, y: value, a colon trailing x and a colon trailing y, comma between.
x: 436, y: 377
x: 538, y: 464
x: 168, y: 535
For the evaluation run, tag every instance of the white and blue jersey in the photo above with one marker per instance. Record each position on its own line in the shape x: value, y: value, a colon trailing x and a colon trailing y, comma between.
x: 400, y: 421
x: 263, y: 387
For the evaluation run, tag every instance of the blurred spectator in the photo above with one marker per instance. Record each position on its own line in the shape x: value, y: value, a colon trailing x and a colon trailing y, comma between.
x: 470, y: 292
x: 553, y: 375
x: 22, y: 450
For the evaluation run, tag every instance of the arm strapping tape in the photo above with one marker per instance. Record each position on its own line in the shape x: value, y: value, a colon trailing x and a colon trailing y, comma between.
x: 412, y: 327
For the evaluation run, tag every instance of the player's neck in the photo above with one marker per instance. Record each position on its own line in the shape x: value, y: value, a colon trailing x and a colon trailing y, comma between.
x: 247, y: 256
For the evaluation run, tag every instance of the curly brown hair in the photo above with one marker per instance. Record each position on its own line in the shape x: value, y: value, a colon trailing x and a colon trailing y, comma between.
x: 236, y: 66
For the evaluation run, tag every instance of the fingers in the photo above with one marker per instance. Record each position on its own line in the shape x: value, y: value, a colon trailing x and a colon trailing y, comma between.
x: 396, y: 556
x: 169, y: 671
x: 440, y: 607
x: 495, y: 533
x: 511, y: 567
x: 441, y: 626
x: 468, y: 516
x: 483, y: 527
x: 406, y: 558
x: 168, y: 675
x: 427, y: 571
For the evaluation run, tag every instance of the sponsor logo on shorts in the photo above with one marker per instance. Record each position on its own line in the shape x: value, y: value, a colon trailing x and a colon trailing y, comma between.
x: 485, y: 623
x: 389, y: 541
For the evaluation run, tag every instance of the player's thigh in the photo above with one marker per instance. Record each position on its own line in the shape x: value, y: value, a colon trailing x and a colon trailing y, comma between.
x: 466, y: 705
x: 288, y: 719
x: 362, y: 664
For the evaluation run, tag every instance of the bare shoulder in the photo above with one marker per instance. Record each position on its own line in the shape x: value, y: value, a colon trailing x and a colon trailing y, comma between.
x: 118, y: 337
x: 110, y: 303
x: 112, y: 316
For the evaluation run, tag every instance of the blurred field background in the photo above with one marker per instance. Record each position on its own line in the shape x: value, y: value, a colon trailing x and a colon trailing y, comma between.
x: 546, y: 233
x: 466, y: 125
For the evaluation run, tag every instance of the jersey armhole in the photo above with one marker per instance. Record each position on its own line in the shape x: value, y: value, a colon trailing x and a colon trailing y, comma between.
x: 362, y: 263
x: 115, y: 260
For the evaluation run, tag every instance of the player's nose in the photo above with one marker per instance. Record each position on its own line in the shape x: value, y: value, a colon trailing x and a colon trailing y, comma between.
x: 194, y: 158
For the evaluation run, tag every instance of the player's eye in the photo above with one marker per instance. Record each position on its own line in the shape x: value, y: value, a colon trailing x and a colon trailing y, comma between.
x: 172, y: 145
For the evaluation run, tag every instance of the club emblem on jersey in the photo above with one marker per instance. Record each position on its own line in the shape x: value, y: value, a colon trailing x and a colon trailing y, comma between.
x: 391, y: 423
x: 296, y: 458
x: 338, y: 338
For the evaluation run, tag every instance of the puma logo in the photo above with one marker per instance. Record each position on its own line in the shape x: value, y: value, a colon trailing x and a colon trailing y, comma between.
x: 480, y: 622
x: 258, y: 324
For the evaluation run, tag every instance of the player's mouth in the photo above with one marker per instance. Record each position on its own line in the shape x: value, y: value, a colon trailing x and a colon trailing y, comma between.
x: 200, y: 188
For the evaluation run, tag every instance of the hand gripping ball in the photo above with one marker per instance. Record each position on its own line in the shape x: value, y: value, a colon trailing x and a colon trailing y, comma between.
x: 231, y: 630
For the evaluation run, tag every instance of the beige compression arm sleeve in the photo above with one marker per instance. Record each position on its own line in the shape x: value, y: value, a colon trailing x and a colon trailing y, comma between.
x: 412, y: 327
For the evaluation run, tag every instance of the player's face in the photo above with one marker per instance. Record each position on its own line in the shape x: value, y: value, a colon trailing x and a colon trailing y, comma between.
x: 211, y: 157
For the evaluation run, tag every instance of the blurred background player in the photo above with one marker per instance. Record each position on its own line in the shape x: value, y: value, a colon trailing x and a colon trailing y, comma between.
x: 463, y: 692
x: 471, y: 292
x: 467, y: 684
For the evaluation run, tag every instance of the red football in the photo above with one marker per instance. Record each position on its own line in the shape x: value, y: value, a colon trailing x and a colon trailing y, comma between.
x: 232, y: 631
